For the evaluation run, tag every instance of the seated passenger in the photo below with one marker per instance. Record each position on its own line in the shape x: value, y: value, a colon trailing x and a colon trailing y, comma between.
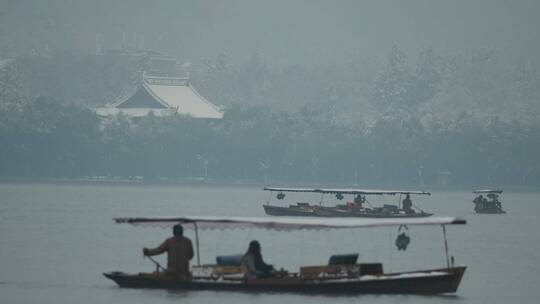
x: 495, y: 201
x: 359, y: 200
x: 479, y: 202
x: 407, y: 204
x: 254, y: 264
x: 498, y: 203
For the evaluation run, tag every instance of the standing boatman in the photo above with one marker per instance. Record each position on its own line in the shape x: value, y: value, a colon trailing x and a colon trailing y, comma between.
x: 179, y: 252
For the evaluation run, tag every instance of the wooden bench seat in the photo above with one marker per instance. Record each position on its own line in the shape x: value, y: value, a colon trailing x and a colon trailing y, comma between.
x: 324, y: 271
x: 215, y: 271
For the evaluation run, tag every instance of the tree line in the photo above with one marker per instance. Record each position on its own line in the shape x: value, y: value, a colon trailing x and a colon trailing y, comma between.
x: 44, y: 138
x: 470, y: 117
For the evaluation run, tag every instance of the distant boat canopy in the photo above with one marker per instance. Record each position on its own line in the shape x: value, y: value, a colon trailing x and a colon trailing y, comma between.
x: 291, y: 189
x: 283, y: 223
x: 488, y: 191
x: 346, y: 191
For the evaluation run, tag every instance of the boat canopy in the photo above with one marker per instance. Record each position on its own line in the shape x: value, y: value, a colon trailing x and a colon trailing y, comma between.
x: 372, y: 192
x: 290, y: 189
x: 283, y: 223
x: 346, y: 191
x: 488, y: 191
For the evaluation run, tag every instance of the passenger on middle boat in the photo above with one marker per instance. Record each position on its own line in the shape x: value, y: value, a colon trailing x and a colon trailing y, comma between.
x: 407, y: 204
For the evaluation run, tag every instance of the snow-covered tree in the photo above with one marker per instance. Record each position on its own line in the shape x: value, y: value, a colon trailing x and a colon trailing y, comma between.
x: 392, y: 86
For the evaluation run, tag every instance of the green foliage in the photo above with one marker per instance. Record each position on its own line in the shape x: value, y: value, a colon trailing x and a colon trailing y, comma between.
x: 253, y: 143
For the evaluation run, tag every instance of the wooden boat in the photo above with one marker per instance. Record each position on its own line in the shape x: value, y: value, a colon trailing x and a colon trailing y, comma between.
x: 436, y: 281
x: 373, y: 213
x: 339, y: 277
x: 492, y: 205
x: 356, y: 208
x: 300, y: 209
x: 297, y: 209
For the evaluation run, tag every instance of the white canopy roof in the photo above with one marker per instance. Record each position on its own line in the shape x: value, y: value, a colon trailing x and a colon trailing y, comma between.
x: 347, y: 191
x: 283, y: 223
x: 488, y: 191
x: 370, y: 191
x: 290, y: 189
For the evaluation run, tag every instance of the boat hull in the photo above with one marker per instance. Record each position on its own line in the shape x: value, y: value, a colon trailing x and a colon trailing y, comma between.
x: 332, y: 212
x: 490, y: 211
x: 287, y: 211
x: 435, y: 281
x: 329, y: 212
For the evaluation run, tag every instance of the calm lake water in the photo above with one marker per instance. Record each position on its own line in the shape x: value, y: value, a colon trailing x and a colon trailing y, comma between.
x: 56, y: 240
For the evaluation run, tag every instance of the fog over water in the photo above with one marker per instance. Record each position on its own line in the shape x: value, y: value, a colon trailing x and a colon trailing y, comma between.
x: 288, y: 32
x: 372, y: 93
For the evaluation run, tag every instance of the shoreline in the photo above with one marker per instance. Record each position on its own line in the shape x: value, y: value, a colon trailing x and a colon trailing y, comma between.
x: 198, y: 181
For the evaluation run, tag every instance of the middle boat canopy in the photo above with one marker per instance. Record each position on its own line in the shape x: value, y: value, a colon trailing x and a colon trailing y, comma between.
x: 283, y: 223
x: 346, y: 191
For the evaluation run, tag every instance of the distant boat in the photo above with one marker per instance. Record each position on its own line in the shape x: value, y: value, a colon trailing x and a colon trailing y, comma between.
x: 341, y: 276
x: 489, y: 205
x: 356, y: 208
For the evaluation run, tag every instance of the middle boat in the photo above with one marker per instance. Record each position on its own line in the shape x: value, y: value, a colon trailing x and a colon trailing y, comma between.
x: 358, y: 207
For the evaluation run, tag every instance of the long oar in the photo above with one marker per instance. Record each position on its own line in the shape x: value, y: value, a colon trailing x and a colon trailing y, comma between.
x: 158, y: 266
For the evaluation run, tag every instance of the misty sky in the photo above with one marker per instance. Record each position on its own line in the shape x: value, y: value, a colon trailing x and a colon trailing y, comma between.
x: 284, y: 31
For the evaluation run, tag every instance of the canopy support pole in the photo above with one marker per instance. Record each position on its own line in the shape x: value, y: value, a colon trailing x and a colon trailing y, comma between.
x: 270, y: 198
x: 197, y: 243
x: 445, y: 246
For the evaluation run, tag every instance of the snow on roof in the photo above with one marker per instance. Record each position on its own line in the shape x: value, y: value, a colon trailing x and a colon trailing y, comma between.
x: 133, y: 112
x: 176, y: 94
x: 283, y: 223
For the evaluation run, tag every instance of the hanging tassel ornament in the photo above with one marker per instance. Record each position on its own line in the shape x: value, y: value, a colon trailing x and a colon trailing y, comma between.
x: 402, y: 240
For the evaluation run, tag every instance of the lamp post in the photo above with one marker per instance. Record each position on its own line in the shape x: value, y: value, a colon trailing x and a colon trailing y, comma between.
x: 204, y: 166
